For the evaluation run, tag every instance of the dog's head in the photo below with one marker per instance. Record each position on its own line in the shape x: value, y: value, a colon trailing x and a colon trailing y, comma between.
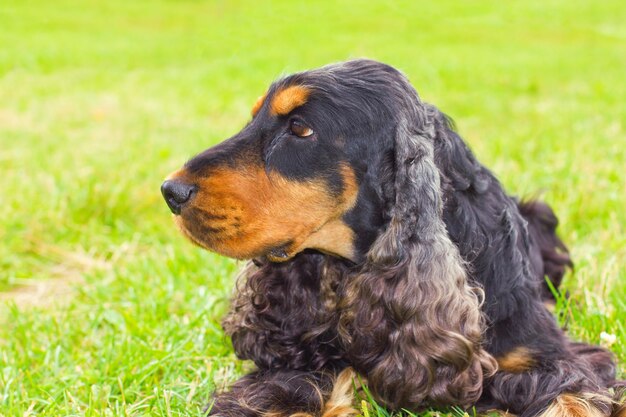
x: 307, y: 172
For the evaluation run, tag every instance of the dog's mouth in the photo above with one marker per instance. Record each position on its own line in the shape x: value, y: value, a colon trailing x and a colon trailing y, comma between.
x: 255, y: 241
x: 231, y: 237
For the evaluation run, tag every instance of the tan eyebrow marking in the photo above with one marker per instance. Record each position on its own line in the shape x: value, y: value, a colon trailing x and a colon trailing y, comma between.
x: 284, y: 101
x: 258, y: 104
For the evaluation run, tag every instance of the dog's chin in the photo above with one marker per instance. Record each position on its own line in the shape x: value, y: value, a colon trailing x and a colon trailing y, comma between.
x: 279, y: 252
x: 180, y: 224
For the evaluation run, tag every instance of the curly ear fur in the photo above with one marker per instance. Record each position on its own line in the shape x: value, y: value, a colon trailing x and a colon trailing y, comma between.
x: 410, y: 322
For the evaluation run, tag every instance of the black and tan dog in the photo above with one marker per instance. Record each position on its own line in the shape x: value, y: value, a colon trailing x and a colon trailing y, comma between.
x: 379, y: 244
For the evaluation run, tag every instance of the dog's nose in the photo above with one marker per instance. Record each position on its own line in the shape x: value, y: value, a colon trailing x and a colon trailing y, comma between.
x: 177, y: 194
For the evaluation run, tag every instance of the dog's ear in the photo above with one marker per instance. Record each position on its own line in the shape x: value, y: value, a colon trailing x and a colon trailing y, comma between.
x: 410, y: 322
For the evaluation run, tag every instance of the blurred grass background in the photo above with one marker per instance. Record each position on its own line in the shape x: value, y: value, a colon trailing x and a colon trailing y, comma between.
x: 106, y: 310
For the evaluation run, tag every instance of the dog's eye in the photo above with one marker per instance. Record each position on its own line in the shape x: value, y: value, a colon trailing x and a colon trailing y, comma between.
x: 300, y: 129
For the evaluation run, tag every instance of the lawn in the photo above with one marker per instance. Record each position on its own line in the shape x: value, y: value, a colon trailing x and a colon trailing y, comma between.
x: 105, y: 310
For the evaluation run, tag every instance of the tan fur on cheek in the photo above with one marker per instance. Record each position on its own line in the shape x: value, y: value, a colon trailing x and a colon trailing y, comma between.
x: 285, y: 100
x: 335, y: 237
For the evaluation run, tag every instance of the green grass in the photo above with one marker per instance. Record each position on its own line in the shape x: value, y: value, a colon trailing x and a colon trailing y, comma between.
x: 99, y: 101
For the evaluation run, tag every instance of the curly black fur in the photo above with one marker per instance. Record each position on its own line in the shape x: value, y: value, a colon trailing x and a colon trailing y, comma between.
x: 447, y: 275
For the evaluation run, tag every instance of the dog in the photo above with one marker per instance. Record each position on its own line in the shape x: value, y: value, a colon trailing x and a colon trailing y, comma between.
x: 379, y: 246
